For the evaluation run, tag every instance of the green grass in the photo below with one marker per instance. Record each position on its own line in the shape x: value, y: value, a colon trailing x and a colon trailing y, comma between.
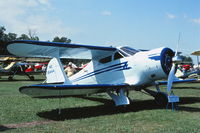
x: 97, y: 113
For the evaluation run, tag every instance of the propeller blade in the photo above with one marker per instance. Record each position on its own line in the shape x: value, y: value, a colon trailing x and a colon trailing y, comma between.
x: 171, y: 78
x: 176, y: 60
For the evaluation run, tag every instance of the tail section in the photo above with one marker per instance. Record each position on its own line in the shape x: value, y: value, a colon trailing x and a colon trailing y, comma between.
x: 55, y: 72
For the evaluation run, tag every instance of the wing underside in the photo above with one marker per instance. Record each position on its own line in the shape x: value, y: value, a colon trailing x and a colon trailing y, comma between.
x: 56, y: 90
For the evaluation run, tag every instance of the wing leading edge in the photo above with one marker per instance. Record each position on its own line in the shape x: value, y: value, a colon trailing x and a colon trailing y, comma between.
x: 55, y: 90
x: 53, y: 49
x: 177, y: 81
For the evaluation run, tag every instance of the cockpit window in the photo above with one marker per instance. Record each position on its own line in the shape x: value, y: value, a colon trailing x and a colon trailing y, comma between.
x: 127, y: 51
x: 117, y: 56
x: 106, y: 59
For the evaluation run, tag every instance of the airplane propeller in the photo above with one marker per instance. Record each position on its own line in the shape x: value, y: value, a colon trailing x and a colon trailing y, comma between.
x: 175, y: 60
x: 171, y: 77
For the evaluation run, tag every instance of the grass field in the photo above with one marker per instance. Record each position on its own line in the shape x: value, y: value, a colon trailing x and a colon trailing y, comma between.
x: 96, y: 113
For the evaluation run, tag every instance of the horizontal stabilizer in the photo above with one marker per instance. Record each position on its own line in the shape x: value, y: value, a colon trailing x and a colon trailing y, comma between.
x: 55, y: 90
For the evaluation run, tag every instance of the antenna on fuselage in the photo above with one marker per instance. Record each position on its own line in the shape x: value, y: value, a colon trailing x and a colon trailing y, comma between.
x: 179, y: 38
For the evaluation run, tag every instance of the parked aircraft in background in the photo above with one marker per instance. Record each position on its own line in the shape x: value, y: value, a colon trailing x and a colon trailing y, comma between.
x: 197, y: 54
x: 11, y: 58
x: 11, y: 68
x: 189, y: 70
x: 114, y: 70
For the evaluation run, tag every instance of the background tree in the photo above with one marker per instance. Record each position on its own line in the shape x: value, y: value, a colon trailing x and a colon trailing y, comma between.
x: 2, y: 34
x: 23, y: 37
x: 11, y: 36
x: 32, y: 35
x: 186, y: 59
x: 62, y: 39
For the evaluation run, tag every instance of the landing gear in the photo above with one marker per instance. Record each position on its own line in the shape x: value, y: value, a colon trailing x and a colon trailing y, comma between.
x: 161, y: 99
x: 32, y: 78
x: 10, y: 78
x: 119, y: 97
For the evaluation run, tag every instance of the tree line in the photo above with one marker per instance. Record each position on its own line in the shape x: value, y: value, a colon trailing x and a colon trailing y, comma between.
x: 31, y: 35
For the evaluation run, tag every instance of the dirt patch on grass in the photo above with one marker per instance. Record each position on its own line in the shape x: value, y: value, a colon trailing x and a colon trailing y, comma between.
x: 27, y: 124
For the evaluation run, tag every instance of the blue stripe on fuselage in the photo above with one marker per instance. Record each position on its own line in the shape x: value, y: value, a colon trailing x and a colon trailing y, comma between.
x: 155, y: 57
x: 116, y: 67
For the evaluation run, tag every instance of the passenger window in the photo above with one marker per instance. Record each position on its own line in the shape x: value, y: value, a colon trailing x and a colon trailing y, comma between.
x: 117, y: 56
x: 106, y: 59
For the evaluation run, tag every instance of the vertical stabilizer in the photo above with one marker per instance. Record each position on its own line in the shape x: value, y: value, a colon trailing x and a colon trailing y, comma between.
x: 55, y: 72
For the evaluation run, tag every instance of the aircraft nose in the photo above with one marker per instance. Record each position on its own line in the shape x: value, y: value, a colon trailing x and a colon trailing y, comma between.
x: 166, y: 59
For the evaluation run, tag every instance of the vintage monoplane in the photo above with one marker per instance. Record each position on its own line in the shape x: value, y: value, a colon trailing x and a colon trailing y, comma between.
x: 115, y: 70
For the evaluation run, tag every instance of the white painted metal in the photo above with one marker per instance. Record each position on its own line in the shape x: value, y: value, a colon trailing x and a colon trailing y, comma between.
x: 55, y: 72
x: 134, y: 70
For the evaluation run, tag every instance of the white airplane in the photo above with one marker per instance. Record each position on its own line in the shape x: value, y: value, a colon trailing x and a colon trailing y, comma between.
x: 112, y: 70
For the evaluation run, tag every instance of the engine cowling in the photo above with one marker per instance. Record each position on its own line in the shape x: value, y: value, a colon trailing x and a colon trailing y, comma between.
x: 166, y: 57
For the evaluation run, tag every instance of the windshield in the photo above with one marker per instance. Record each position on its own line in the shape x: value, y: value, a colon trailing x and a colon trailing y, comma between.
x: 127, y: 51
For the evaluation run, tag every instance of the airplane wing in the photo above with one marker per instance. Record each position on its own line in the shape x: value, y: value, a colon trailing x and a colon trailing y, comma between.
x: 54, y: 49
x: 56, y: 90
x: 177, y: 81
x: 197, y: 53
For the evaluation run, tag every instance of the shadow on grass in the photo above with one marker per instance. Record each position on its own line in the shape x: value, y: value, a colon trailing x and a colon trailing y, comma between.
x: 3, y: 128
x: 17, y: 80
x: 108, y: 109
x: 195, y: 88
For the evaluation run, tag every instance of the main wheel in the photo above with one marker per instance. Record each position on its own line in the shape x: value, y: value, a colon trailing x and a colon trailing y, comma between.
x: 32, y: 78
x: 161, y: 99
x: 10, y: 78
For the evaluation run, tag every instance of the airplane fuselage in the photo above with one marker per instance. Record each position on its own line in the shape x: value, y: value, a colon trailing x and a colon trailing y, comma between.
x: 144, y: 67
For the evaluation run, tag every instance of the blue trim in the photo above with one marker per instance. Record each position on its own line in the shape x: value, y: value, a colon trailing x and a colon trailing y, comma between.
x: 116, y: 67
x: 177, y: 81
x: 154, y: 54
x: 68, y: 87
x: 69, y: 45
x: 156, y: 58
x: 166, y: 59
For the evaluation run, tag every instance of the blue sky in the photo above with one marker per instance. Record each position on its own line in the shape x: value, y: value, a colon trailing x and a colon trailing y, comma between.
x: 145, y: 24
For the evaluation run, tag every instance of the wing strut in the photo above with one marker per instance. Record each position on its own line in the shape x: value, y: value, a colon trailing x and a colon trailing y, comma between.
x: 56, y: 74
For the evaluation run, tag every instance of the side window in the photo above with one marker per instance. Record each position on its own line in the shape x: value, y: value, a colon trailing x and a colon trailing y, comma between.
x: 106, y: 59
x: 117, y: 56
